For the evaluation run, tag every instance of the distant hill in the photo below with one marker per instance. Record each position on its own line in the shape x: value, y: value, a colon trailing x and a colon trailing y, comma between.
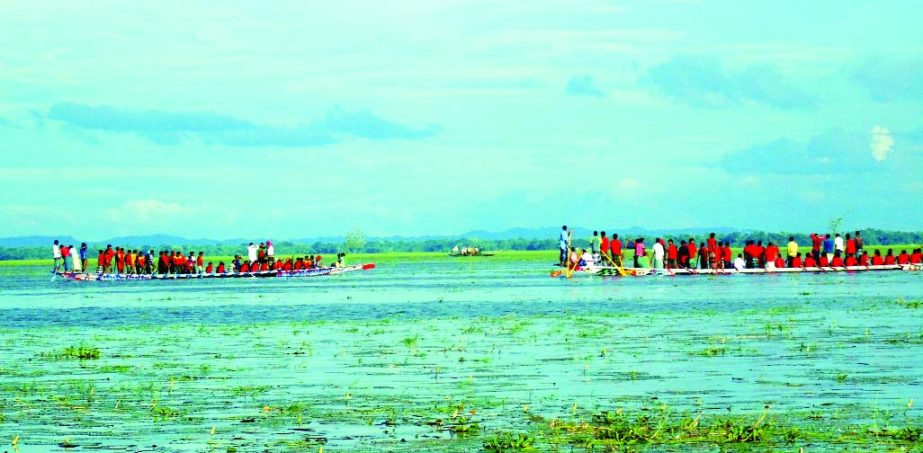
x: 36, y: 241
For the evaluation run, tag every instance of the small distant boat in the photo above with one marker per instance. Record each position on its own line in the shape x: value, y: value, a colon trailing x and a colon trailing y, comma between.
x: 459, y: 255
x: 319, y: 272
x: 606, y: 271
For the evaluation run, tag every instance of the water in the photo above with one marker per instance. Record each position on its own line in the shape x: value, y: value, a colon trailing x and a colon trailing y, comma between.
x: 388, y: 359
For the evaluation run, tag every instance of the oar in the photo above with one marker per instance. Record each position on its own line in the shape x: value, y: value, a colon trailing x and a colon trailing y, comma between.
x: 570, y: 271
x: 617, y: 267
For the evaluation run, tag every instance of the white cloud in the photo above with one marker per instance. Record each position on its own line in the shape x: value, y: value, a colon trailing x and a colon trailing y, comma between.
x: 881, y: 143
x: 145, y: 210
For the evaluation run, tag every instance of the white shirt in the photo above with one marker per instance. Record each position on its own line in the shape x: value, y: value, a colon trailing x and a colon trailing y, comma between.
x: 739, y: 263
x: 658, y: 251
x: 271, y: 250
x: 251, y: 252
x: 838, y: 243
x: 56, y: 251
x: 586, y: 257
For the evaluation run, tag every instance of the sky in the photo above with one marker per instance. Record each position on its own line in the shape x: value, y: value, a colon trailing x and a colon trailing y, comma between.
x: 299, y: 119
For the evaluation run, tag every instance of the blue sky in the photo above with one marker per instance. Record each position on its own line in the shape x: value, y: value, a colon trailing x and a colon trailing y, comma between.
x: 300, y: 119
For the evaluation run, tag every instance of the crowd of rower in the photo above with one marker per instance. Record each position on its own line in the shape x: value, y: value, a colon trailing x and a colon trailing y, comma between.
x: 826, y: 251
x: 119, y: 260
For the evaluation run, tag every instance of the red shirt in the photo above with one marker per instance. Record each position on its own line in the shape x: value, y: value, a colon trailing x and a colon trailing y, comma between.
x: 758, y: 251
x: 692, y: 248
x: 851, y: 247
x: 728, y: 256
x: 264, y: 267
x: 615, y: 246
x: 672, y: 252
x: 823, y: 261
x: 109, y: 254
x: 65, y: 251
x: 809, y: 261
x: 916, y: 258
x: 604, y: 244
x: 278, y: 265
x: 200, y: 260
x: 817, y: 241
x: 889, y: 260
x: 208, y: 269
x: 877, y: 261
x: 287, y: 266
x: 903, y: 258
x: 102, y: 258
x: 837, y: 262
x: 780, y: 263
x: 245, y: 267
x: 712, y: 244
x: 221, y: 268
x: 703, y: 251
x: 864, y: 260
x: 771, y: 253
x: 796, y: 262
x: 851, y: 261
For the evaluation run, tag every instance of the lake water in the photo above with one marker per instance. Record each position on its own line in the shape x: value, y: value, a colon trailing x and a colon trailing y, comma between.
x: 387, y: 360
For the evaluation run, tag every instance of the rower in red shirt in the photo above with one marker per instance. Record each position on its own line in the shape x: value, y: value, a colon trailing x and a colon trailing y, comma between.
x: 916, y: 257
x: 278, y: 265
x: 816, y: 242
x: 209, y: 269
x: 823, y: 261
x: 221, y: 268
x: 672, y: 255
x: 615, y: 250
x: 288, y: 265
x: 837, y: 261
x: 771, y: 253
x: 780, y: 263
x: 693, y: 250
x: 265, y: 266
x: 864, y: 259
x: 245, y: 267
x: 809, y: 261
x: 877, y: 260
x: 850, y: 246
x: 851, y: 261
x: 796, y: 261
x: 727, y: 255
x: 604, y: 246
x: 889, y: 258
x: 903, y: 258
x: 120, y: 259
x: 101, y: 262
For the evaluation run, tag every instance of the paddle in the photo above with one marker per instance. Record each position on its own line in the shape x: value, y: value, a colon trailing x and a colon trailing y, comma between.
x: 617, y: 267
x: 569, y: 271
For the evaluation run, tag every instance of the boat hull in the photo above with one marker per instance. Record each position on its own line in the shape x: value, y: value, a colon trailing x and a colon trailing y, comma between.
x: 606, y: 271
x: 88, y: 277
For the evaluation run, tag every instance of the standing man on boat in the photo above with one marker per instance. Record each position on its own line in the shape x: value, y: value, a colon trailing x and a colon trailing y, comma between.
x: 251, y: 253
x: 56, y: 254
x: 860, y: 243
x: 639, y: 252
x: 791, y: 250
x: 657, y: 261
x: 615, y: 250
x: 595, y: 243
x: 828, y: 247
x: 839, y: 244
x: 562, y: 244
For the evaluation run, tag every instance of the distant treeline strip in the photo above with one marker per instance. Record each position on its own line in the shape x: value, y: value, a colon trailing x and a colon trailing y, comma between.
x: 284, y: 248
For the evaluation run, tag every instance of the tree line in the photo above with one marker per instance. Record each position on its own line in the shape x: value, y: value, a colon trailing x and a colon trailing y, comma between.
x: 356, y: 243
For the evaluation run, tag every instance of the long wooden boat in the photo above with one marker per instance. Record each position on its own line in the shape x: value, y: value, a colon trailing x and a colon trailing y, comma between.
x: 610, y: 271
x: 459, y: 255
x: 318, y: 272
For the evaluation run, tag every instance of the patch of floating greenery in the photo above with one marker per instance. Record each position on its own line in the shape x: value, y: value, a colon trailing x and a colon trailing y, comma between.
x: 913, y: 303
x: 509, y: 442
x: 619, y: 430
x: 79, y: 352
